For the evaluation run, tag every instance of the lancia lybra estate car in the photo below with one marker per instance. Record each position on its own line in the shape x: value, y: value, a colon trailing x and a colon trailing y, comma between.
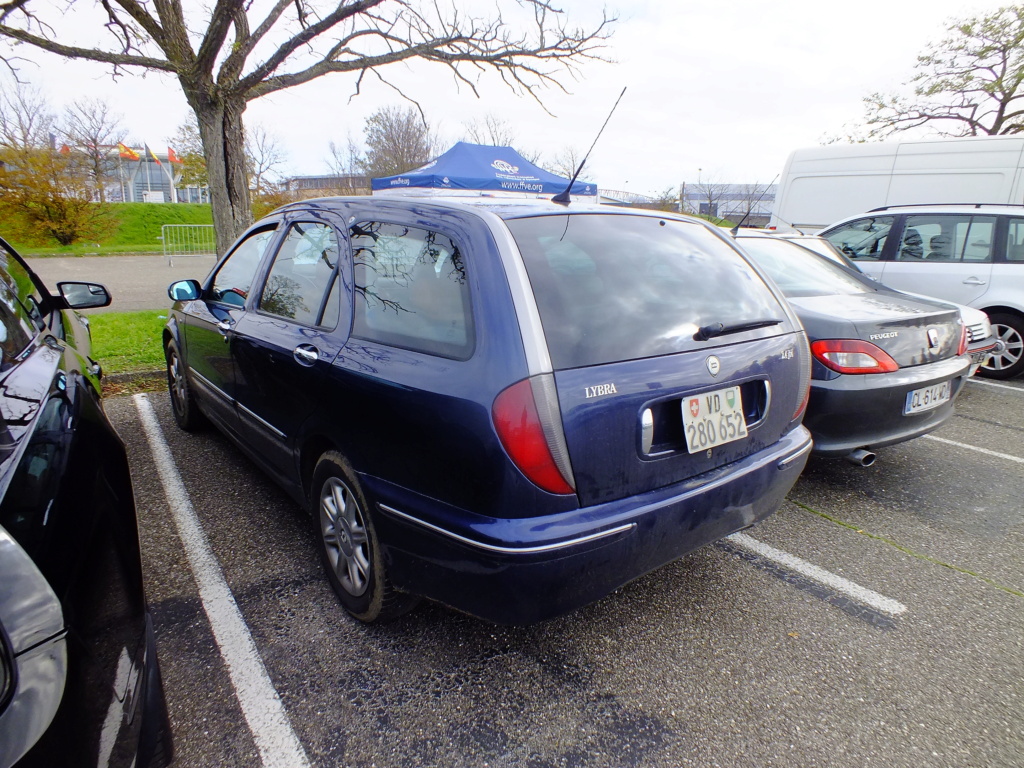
x: 887, y: 366
x: 970, y: 254
x: 510, y: 407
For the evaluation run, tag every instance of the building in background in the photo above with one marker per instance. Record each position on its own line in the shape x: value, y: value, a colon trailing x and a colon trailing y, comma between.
x: 328, y: 184
x: 145, y: 176
x: 731, y: 201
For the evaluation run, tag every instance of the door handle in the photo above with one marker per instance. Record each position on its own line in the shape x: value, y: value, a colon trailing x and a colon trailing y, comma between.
x: 224, y: 326
x: 305, y: 354
x: 974, y: 281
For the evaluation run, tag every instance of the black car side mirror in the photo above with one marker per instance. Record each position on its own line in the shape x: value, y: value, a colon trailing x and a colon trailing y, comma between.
x: 185, y: 290
x: 84, y: 295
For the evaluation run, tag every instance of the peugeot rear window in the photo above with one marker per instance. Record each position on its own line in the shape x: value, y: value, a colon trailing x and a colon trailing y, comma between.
x: 798, y: 272
x: 617, y: 287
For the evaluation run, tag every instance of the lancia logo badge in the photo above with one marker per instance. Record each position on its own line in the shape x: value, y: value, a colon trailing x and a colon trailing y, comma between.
x: 714, y: 366
x: 933, y: 338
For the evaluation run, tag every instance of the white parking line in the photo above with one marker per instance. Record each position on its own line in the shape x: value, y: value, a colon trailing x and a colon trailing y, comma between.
x: 993, y: 384
x: 986, y: 451
x: 277, y: 743
x: 856, y: 591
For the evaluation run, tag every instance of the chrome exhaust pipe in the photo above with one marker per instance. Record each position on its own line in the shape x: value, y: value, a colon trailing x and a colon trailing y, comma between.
x: 861, y: 457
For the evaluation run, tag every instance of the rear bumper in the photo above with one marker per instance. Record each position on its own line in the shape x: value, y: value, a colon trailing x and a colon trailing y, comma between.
x: 519, y: 571
x: 861, y: 411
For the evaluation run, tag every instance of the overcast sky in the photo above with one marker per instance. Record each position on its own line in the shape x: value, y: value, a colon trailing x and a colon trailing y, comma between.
x: 723, y: 91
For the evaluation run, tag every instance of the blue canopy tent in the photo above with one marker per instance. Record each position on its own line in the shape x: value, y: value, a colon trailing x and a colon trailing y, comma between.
x: 479, y: 169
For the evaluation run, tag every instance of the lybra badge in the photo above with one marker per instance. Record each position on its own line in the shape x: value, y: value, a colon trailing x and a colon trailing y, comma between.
x: 933, y: 337
x: 714, y: 366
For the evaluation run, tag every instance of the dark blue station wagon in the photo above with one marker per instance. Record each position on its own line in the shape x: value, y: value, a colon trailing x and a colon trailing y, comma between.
x: 512, y: 407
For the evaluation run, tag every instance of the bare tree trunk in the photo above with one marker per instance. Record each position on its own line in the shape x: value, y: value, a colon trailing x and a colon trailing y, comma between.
x: 223, y: 137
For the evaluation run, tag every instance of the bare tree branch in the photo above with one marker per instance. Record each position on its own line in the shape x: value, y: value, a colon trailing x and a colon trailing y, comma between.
x: 210, y: 50
x: 965, y: 84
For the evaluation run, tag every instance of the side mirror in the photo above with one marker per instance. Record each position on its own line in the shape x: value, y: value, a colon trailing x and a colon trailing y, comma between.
x: 84, y: 295
x: 185, y: 290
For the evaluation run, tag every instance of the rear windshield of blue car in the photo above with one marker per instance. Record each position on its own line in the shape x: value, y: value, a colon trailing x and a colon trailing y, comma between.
x: 615, y: 287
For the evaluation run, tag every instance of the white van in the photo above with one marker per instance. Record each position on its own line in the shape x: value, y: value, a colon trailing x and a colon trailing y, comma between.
x: 822, y: 185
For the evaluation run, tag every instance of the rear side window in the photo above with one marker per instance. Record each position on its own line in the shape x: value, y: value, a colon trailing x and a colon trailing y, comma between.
x: 304, y: 268
x: 1015, y: 241
x: 862, y: 239
x: 411, y: 290
x: 620, y: 287
x: 947, y: 238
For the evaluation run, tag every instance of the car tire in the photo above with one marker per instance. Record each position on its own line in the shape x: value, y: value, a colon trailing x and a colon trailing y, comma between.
x: 348, y: 544
x: 1009, y: 328
x: 183, y: 403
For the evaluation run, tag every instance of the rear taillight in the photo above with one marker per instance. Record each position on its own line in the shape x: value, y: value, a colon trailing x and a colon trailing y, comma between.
x: 963, y: 341
x: 805, y: 378
x: 852, y: 356
x: 529, y: 425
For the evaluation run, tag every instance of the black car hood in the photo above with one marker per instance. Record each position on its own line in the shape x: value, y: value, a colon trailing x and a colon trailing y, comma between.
x: 912, y: 331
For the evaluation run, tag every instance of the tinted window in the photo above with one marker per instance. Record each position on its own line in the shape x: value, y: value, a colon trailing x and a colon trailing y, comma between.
x: 863, y: 238
x: 235, y: 276
x: 615, y: 287
x: 305, y: 265
x: 19, y: 306
x: 1015, y: 241
x: 799, y: 272
x: 411, y: 290
x: 947, y: 238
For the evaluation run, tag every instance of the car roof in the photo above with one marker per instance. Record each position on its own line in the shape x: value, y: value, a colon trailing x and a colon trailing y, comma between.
x: 503, y: 207
x: 1004, y: 209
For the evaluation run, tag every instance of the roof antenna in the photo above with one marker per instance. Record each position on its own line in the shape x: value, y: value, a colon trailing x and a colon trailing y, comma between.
x: 735, y: 230
x: 563, y: 197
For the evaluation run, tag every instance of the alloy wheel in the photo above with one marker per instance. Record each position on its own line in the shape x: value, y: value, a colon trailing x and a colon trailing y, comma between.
x: 179, y: 391
x: 344, y: 535
x: 1013, y: 352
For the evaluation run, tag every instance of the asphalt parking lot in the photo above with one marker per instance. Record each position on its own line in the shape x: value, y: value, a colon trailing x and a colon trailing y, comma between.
x: 876, y: 620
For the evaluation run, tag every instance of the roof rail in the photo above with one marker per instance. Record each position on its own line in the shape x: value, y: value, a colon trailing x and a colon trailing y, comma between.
x: 934, y: 205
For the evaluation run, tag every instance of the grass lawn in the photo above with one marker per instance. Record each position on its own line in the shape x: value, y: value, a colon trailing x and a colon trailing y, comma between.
x: 128, y: 342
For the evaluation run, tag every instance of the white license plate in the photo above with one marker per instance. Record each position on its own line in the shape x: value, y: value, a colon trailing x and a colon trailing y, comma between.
x: 713, y: 418
x: 926, y: 398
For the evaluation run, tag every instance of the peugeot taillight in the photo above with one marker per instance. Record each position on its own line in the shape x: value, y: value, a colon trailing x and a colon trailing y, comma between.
x: 852, y: 356
x: 962, y: 349
x: 529, y: 424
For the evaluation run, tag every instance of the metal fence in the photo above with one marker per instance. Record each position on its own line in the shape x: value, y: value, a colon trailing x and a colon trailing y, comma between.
x: 187, y: 240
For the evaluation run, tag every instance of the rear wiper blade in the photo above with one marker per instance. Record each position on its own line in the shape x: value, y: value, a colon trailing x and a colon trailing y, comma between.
x: 706, y: 332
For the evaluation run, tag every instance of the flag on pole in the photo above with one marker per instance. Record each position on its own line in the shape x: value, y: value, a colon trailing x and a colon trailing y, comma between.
x: 153, y: 155
x: 127, y: 152
x: 171, y: 157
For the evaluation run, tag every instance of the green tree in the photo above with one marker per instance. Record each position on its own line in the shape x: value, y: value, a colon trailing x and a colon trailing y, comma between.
x: 397, y: 140
x: 47, y: 190
x: 969, y: 84
x: 227, y: 53
x: 188, y: 146
x: 52, y: 193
